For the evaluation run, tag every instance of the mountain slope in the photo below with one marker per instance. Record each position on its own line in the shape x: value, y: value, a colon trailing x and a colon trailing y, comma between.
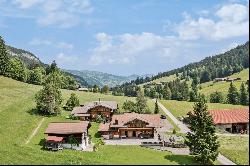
x: 210, y: 87
x: 101, y: 79
x: 32, y: 60
x: 221, y: 65
x: 27, y: 57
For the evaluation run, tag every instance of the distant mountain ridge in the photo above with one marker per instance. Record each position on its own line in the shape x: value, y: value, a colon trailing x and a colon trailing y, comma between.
x: 32, y: 60
x: 27, y: 57
x: 101, y: 78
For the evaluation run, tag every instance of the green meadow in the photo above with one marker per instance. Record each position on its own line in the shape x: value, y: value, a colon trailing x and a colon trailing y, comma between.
x: 210, y: 87
x: 236, y: 148
x: 18, y: 120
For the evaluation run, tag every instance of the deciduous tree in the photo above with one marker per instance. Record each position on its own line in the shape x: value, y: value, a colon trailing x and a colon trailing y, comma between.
x: 72, y: 102
x: 4, y: 59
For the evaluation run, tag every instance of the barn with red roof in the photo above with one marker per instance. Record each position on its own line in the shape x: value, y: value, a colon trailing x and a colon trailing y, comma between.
x: 233, y: 120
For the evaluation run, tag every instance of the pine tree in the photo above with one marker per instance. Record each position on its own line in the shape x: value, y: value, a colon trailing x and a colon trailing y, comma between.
x: 4, y: 59
x: 105, y: 89
x: 233, y: 95
x: 185, y: 91
x: 141, y: 102
x: 205, y: 76
x: 193, y: 94
x: 156, y: 107
x: 202, y: 140
x: 243, y: 95
x: 216, y: 97
x: 96, y: 88
x: 72, y: 102
x: 167, y: 92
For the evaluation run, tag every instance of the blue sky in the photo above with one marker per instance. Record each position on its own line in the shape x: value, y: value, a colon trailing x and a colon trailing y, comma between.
x: 124, y: 37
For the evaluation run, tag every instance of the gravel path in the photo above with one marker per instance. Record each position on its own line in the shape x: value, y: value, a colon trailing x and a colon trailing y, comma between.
x: 35, y: 131
x: 225, y: 161
x: 182, y: 126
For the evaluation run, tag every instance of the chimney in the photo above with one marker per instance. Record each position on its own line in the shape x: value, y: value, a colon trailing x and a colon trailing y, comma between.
x: 99, y: 100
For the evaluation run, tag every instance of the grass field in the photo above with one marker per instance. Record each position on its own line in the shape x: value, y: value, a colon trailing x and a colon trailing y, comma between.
x: 210, y: 87
x: 236, y: 148
x: 181, y: 108
x: 17, y: 122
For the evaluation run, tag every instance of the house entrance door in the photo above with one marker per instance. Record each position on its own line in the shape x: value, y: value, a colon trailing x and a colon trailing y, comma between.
x: 134, y: 133
x: 126, y: 133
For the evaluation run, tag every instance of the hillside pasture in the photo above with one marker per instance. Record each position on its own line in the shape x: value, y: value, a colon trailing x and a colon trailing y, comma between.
x: 210, y: 87
x: 18, y: 120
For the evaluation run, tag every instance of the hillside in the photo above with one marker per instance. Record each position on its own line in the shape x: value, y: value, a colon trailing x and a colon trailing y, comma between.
x: 18, y: 120
x: 31, y: 60
x: 210, y: 87
x: 221, y: 65
x: 101, y: 79
x: 27, y: 57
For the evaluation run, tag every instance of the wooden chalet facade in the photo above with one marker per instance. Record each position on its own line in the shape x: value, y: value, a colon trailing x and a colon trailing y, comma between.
x: 58, y: 135
x: 130, y: 125
x: 90, y: 111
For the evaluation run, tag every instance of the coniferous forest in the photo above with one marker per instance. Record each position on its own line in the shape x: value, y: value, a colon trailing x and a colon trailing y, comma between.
x: 218, y: 66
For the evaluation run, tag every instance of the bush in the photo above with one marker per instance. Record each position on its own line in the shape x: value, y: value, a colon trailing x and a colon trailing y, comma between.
x: 216, y: 97
x: 174, y: 131
x: 72, y: 102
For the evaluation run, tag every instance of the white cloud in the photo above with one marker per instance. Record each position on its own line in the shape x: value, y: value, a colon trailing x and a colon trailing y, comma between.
x: 125, y: 48
x: 25, y: 4
x: 63, y: 59
x: 204, y: 12
x: 56, y: 13
x: 229, y: 47
x: 61, y: 45
x: 233, y: 12
x: 65, y: 45
x: 59, y: 19
x: 233, y: 21
x: 36, y: 42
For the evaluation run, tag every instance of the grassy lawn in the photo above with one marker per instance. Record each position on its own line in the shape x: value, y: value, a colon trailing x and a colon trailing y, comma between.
x: 17, y: 122
x: 181, y: 108
x: 236, y: 148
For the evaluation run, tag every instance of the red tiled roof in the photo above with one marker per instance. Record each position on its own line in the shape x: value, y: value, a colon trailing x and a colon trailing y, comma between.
x: 67, y: 127
x: 54, y: 138
x: 230, y: 116
x: 104, y: 127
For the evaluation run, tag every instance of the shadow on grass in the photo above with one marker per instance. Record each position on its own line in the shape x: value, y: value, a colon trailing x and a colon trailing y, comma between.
x: 41, y: 143
x: 182, y: 159
x: 97, y: 135
x: 35, y: 112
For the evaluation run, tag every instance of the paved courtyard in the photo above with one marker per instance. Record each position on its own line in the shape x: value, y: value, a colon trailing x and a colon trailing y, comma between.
x: 128, y: 141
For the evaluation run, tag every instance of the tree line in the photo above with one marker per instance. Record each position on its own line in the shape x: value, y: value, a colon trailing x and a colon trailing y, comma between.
x: 15, y: 68
x: 233, y: 95
x: 217, y: 66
